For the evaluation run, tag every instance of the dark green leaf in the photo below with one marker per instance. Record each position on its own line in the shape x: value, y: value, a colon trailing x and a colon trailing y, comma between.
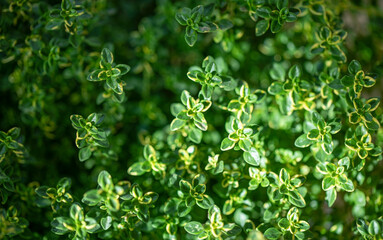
x: 84, y: 153
x: 272, y: 233
x: 302, y: 141
x: 194, y: 227
x: 261, y: 27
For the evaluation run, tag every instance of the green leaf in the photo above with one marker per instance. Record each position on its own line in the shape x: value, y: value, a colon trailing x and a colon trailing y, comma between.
x: 185, y: 186
x: 76, y: 212
x: 245, y: 144
x: 354, y: 67
x: 328, y: 182
x: 228, y: 84
x: 185, y: 96
x: 354, y: 118
x: 369, y: 81
x: 336, y: 84
x: 272, y: 233
x: 106, y: 55
x: 252, y: 157
x: 219, y: 168
x: 112, y: 203
x: 303, y: 225
x: 335, y: 127
x: 190, y: 37
x: 85, y: 153
x: 194, y: 228
x: 344, y: 162
x: 58, y: 226
x: 54, y: 24
x: 302, y: 141
x: 208, y: 9
x: 297, y: 180
x: 200, y: 122
x: 149, y: 151
x: 176, y: 108
x: 124, y: 69
x: 200, y: 188
x: 282, y: 4
x: 263, y: 12
x: 313, y: 134
x: 149, y: 197
x: 181, y: 18
x: 64, y: 183
x: 96, y: 118
x: 374, y: 228
x: 91, y: 225
x: 205, y: 27
x: 295, y: 72
x: 291, y: 17
x: 327, y: 147
x: 330, y: 167
x: 42, y: 191
x: 225, y: 24
x: 337, y: 53
x: 228, y: 208
x: 316, y: 49
x: 300, y: 235
x: 102, y: 143
x: 66, y: 5
x: 227, y: 144
x: 177, y: 124
x: 206, y: 202
x: 331, y: 196
x: 143, y: 216
x: 362, y: 153
x: 105, y: 180
x: 198, y: 179
x: 374, y: 125
x: 296, y: 199
x: 232, y: 229
x: 137, y: 169
x: 112, y: 83
x: 136, y: 191
x: 278, y: 72
x: 182, y: 209
x: 195, y: 135
x: 346, y: 184
x: 196, y: 13
x: 284, y: 176
x: 92, y: 197
x: 275, y: 26
x: 347, y: 81
x: 362, y: 227
x: 284, y: 223
x: 183, y: 116
x: 3, y: 149
x: 76, y: 121
x: 261, y: 27
x: 374, y: 103
x: 275, y: 88
x: 14, y: 133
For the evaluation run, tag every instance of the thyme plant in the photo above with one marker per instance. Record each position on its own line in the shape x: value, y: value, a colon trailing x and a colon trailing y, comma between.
x: 219, y: 119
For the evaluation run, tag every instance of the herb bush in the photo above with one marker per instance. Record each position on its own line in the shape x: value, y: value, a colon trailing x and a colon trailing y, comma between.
x: 254, y: 119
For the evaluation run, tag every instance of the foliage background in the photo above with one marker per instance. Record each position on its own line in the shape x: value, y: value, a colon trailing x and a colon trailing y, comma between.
x: 40, y: 90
